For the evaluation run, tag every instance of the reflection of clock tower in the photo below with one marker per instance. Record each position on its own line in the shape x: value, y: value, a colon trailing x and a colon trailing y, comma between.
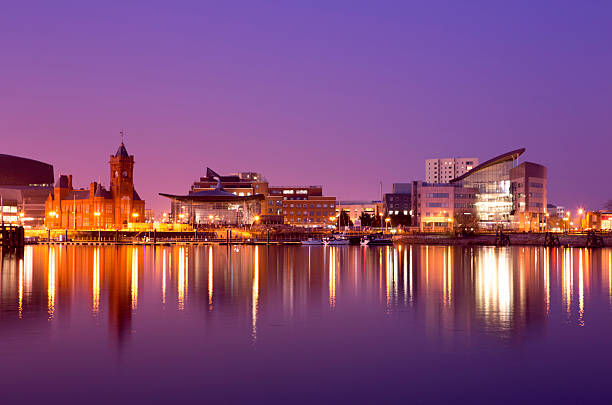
x: 122, y: 184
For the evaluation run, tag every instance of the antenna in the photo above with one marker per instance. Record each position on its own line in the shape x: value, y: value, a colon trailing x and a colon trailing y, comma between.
x: 122, y: 132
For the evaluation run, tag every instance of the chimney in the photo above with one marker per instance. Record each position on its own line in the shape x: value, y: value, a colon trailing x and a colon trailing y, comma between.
x: 70, y: 181
x: 92, y: 189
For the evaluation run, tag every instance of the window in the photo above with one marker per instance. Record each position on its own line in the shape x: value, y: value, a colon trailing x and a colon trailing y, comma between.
x: 437, y: 205
x: 437, y: 195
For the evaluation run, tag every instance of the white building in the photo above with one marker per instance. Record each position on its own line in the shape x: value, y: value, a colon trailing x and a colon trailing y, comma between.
x: 444, y: 170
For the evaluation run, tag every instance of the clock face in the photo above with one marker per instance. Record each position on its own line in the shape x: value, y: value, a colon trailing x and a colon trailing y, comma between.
x: 116, y: 173
x: 124, y: 174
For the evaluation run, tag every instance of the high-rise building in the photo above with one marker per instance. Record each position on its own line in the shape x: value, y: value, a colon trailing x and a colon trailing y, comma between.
x: 444, y: 170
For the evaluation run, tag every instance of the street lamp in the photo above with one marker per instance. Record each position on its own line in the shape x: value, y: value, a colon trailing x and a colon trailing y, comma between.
x: 387, y: 220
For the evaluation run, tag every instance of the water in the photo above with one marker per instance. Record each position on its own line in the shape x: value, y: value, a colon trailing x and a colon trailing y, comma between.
x: 305, y: 325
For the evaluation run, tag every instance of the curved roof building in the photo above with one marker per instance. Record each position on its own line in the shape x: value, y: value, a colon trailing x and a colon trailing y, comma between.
x: 492, y: 180
x: 19, y: 171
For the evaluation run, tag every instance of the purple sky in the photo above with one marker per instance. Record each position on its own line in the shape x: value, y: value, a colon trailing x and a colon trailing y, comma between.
x: 344, y: 94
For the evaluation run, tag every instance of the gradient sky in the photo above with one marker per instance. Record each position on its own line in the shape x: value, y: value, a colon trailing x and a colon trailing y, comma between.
x: 339, y: 93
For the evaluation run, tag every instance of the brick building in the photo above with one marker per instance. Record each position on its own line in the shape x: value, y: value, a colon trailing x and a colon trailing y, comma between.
x: 97, y: 207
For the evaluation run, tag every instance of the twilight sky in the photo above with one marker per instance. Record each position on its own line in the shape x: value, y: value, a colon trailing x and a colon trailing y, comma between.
x: 339, y: 93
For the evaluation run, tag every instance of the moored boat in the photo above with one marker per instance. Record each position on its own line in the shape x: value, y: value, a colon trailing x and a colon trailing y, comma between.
x: 312, y: 242
x: 376, y: 240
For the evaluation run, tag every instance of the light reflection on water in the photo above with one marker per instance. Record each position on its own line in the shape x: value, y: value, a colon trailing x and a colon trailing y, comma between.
x: 507, y: 296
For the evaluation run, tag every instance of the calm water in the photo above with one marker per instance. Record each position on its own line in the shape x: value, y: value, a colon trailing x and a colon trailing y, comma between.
x: 305, y: 325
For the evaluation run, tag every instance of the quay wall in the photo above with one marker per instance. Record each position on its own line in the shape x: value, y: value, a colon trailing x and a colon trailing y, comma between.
x: 516, y: 239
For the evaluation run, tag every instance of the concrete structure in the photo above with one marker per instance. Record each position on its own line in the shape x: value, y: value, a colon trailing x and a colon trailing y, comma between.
x: 24, y: 187
x: 97, y: 207
x: 437, y: 207
x: 444, y: 170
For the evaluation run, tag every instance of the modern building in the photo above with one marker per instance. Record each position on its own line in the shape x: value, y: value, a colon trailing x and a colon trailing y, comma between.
x: 293, y: 205
x: 440, y: 207
x: 399, y: 202
x: 528, y: 185
x: 97, y: 207
x: 24, y: 187
x: 445, y: 170
x: 508, y: 195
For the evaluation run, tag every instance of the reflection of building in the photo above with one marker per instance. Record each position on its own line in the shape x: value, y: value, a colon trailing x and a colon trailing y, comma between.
x: 508, y: 195
x: 436, y: 206
x: 24, y: 187
x: 97, y: 207
x: 295, y: 205
x: 444, y: 170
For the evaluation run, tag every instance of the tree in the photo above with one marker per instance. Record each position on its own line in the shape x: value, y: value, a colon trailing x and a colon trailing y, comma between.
x: 366, y: 219
x: 344, y: 219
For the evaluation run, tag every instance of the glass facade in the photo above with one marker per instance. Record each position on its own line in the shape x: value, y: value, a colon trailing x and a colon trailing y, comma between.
x: 217, y: 213
x: 494, y: 194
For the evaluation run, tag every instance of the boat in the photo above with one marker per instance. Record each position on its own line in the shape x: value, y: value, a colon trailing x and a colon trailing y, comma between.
x: 312, y: 242
x: 335, y: 240
x: 376, y: 240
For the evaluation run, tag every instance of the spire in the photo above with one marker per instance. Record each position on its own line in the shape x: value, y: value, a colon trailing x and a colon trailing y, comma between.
x: 122, y: 152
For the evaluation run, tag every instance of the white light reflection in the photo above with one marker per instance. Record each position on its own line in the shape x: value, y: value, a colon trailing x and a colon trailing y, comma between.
x: 181, y: 279
x: 210, y: 277
x: 255, y: 294
x: 134, y: 278
x: 332, y: 277
x: 95, y: 284
x: 51, y: 283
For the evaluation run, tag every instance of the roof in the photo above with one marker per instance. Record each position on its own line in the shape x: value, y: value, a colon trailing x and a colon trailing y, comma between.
x: 77, y: 195
x: 506, y: 157
x: 121, y: 151
x: 19, y: 171
x: 136, y: 197
x: 102, y: 192
x: 213, y: 196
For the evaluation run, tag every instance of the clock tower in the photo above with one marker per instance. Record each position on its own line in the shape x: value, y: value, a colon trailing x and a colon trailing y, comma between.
x: 122, y: 185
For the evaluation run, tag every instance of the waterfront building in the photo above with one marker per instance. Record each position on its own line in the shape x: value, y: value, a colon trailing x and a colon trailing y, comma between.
x: 355, y: 209
x: 255, y: 198
x: 441, y: 207
x: 24, y: 187
x: 399, y: 202
x: 444, y: 170
x: 97, y: 207
x: 494, y: 205
x: 529, y: 196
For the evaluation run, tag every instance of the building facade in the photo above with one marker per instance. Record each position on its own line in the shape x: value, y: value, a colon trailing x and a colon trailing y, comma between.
x: 440, y: 207
x: 97, y: 207
x: 24, y: 187
x: 292, y: 205
x: 529, y: 196
x: 355, y: 209
x: 445, y: 170
x: 509, y: 195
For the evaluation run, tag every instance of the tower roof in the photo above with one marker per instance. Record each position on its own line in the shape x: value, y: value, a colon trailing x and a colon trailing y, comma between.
x: 122, y: 152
